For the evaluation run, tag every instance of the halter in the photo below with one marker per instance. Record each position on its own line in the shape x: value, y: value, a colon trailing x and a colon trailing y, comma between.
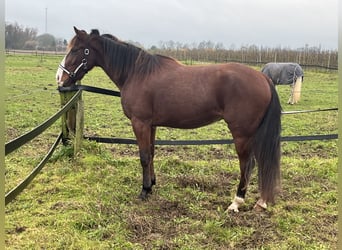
x: 83, y: 64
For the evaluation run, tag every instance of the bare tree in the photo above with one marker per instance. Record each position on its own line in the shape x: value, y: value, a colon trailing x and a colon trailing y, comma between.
x: 16, y: 36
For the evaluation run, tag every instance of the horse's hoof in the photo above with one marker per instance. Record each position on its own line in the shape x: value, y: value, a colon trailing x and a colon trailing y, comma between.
x: 233, y: 207
x: 260, y: 206
x: 237, y: 202
x: 145, y: 193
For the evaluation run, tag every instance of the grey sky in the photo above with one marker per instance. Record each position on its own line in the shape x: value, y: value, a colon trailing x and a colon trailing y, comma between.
x: 286, y: 23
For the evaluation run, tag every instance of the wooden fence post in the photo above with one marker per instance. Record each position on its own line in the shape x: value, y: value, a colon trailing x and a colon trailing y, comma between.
x: 72, y: 121
x: 79, y: 125
x: 67, y: 121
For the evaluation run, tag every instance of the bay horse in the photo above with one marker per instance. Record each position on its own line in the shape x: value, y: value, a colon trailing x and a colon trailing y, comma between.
x: 159, y: 91
x: 286, y: 74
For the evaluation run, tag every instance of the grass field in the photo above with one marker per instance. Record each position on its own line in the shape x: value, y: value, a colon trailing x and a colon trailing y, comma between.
x: 90, y: 201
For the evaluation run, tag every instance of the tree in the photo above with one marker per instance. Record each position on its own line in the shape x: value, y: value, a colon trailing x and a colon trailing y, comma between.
x: 30, y: 45
x: 16, y: 36
x: 61, y: 44
x: 46, y: 42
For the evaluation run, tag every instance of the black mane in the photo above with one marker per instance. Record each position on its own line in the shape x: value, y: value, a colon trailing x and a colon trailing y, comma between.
x: 128, y: 60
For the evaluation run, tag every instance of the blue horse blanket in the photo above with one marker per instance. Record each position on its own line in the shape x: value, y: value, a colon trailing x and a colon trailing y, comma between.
x: 283, y: 73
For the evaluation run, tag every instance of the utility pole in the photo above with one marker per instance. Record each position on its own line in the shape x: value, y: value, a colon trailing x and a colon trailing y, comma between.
x: 45, y: 20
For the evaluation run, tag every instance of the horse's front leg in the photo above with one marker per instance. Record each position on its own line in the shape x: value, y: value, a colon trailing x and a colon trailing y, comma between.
x: 142, y: 132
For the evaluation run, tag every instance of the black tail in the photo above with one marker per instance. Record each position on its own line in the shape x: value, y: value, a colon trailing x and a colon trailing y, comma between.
x: 267, y: 149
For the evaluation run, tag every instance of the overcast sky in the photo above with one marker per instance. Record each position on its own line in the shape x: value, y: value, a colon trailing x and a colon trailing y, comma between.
x: 286, y: 23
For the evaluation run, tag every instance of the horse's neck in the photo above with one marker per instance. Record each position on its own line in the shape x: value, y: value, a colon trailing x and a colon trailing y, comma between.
x: 115, y: 79
x: 113, y: 71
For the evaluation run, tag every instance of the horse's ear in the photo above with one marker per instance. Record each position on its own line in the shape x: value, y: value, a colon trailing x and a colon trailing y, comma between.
x: 80, y: 33
x: 94, y: 32
x: 76, y: 30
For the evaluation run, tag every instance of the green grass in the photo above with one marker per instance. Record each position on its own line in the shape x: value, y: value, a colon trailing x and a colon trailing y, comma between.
x: 90, y: 201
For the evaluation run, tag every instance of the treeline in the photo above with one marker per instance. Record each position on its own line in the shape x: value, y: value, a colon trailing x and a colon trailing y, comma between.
x: 16, y: 36
x: 20, y: 37
x: 208, y: 51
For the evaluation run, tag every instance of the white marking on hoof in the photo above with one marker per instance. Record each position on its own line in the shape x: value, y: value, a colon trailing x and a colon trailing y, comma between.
x: 261, y: 204
x: 236, y: 204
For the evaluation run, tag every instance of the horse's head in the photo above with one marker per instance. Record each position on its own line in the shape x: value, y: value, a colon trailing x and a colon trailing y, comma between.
x: 80, y: 58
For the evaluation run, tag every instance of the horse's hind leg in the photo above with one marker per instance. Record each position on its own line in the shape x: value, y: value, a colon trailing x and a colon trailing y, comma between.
x: 297, y: 89
x: 247, y: 163
x: 153, y: 139
x: 291, y: 99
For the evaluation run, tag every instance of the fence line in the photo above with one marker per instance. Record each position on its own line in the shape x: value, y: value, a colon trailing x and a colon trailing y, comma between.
x: 76, y: 97
x: 111, y: 140
x: 307, y: 111
x: 18, y: 142
x: 34, y: 52
x: 187, y: 142
x: 228, y: 56
x: 22, y: 185
x: 265, y: 62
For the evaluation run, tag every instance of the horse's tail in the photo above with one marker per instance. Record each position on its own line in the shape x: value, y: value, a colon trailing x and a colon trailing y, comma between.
x: 266, y: 148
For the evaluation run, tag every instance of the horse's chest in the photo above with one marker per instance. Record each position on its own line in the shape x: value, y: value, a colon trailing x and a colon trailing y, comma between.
x: 134, y: 104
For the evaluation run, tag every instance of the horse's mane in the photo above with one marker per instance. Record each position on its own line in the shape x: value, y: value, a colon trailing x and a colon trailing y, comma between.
x: 71, y: 44
x: 127, y: 59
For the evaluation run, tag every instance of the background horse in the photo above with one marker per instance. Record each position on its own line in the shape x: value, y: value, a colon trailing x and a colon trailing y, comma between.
x: 159, y: 91
x: 286, y: 73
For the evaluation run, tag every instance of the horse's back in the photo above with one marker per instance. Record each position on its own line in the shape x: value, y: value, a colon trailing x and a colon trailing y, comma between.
x: 283, y: 73
x: 220, y: 81
x: 194, y: 96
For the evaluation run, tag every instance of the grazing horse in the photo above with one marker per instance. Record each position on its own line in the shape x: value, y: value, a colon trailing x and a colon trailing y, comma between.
x: 286, y: 73
x: 159, y: 91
